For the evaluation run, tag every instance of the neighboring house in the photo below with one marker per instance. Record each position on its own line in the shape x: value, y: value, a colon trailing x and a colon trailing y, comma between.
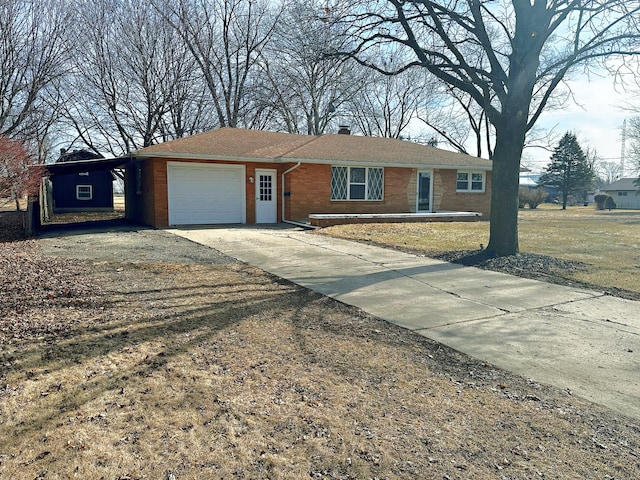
x: 90, y: 190
x: 624, y: 192
x: 529, y: 179
x: 249, y: 176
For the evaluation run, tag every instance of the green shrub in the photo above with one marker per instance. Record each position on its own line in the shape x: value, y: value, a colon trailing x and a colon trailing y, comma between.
x: 610, y: 203
x: 600, y: 200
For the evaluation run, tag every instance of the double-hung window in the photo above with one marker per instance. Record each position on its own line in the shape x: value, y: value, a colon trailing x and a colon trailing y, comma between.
x: 357, y: 183
x: 84, y: 192
x: 470, y: 181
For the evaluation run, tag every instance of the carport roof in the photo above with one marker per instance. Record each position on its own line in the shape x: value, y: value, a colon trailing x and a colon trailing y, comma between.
x: 63, y: 168
x: 232, y: 144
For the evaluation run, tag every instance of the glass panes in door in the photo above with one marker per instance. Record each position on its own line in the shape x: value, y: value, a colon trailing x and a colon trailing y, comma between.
x: 266, y: 188
x: 424, y: 191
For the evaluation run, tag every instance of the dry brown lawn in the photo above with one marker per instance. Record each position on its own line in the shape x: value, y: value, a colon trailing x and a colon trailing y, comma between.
x: 606, y: 242
x: 114, y: 369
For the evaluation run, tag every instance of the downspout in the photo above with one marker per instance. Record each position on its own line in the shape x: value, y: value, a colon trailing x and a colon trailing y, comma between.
x: 284, y: 197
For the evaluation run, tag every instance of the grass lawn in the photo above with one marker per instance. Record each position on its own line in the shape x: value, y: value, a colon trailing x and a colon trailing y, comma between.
x: 607, y: 242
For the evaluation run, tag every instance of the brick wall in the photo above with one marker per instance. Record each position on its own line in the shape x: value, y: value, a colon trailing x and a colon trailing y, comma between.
x: 412, y: 191
x: 445, y: 196
x: 143, y: 206
x: 159, y: 186
x: 155, y: 193
x: 310, y: 189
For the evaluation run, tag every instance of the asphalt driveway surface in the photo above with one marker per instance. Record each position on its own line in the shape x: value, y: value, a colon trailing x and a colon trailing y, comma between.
x: 575, y: 339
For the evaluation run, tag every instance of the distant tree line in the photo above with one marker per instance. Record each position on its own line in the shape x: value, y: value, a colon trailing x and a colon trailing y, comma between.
x: 114, y: 76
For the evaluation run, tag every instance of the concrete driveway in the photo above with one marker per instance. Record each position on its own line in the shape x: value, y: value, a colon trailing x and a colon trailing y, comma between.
x: 572, y: 338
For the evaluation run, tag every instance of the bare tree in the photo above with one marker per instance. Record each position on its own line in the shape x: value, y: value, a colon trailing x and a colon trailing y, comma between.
x: 387, y: 103
x: 592, y: 157
x: 189, y: 110
x: 33, y: 55
x: 457, y: 118
x: 225, y: 38
x: 509, y: 56
x: 633, y: 147
x: 133, y: 78
x: 608, y: 172
x: 465, y: 125
x: 303, y: 86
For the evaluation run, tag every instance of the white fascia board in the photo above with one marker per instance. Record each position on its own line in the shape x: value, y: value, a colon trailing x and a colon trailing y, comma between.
x: 366, y: 163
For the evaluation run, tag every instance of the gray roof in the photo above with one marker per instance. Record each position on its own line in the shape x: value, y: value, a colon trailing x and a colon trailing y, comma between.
x: 621, y: 185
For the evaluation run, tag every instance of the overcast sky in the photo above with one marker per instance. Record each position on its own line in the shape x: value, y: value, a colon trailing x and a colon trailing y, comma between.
x: 597, y: 122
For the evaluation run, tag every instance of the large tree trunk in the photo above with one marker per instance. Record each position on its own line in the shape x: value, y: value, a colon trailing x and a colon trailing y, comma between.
x: 565, y: 185
x: 511, y: 124
x: 505, y: 180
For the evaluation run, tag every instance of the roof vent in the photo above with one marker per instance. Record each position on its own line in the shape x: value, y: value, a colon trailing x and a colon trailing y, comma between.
x: 344, y: 130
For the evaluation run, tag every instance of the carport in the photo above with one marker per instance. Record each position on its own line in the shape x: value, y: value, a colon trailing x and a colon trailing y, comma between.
x: 39, y: 207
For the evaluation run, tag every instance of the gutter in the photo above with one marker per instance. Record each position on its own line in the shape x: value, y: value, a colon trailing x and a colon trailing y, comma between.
x: 283, y: 193
x: 321, y: 161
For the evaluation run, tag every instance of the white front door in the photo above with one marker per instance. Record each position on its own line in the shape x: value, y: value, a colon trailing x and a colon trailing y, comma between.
x: 266, y: 196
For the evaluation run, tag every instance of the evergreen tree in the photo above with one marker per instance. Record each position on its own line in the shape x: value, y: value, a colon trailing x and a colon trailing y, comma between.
x: 569, y: 170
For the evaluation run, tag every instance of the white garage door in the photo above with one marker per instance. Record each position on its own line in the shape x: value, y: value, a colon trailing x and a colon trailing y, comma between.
x: 201, y: 193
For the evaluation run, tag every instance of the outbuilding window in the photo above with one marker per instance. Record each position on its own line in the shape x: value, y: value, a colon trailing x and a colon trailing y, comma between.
x: 357, y: 183
x: 84, y: 192
x: 469, y: 181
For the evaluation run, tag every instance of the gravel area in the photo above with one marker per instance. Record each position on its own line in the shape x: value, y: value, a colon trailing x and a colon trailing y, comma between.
x: 128, y: 243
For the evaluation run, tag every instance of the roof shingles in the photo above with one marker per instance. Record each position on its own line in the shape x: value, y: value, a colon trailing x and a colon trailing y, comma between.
x: 622, y: 185
x: 238, y: 144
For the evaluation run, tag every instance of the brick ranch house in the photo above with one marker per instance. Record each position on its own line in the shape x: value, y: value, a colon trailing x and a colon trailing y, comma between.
x: 230, y: 175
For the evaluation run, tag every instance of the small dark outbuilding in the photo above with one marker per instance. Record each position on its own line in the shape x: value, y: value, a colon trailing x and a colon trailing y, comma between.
x: 90, y: 190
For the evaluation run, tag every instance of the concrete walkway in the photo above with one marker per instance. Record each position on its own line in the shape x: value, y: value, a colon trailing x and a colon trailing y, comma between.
x: 568, y: 337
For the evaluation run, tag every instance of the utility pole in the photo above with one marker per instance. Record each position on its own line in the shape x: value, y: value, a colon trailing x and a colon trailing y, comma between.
x: 623, y: 147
